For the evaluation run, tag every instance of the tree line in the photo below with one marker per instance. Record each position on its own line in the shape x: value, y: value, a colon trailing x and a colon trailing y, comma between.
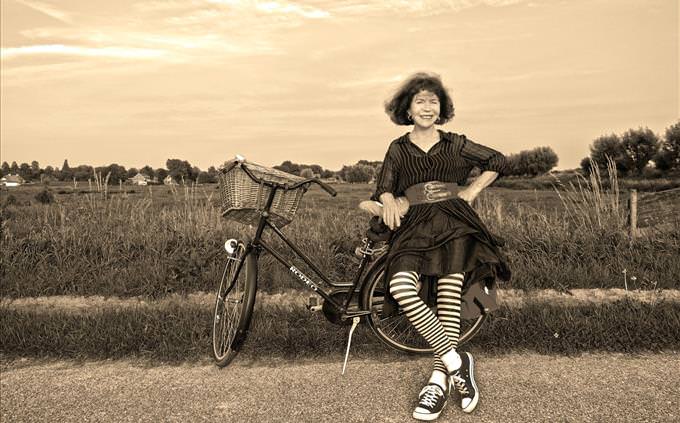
x: 362, y: 171
x: 178, y: 170
x: 637, y: 152
x: 531, y: 162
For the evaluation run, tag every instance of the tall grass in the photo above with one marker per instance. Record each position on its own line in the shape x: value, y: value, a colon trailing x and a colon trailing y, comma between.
x: 590, y: 205
x: 158, y: 241
x: 547, y: 182
x: 585, y: 243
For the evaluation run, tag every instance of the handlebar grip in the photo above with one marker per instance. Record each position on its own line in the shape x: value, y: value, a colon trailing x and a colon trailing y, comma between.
x: 327, y: 188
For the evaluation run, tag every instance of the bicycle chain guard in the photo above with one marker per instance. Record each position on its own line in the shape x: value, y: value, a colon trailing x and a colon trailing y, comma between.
x: 333, y: 314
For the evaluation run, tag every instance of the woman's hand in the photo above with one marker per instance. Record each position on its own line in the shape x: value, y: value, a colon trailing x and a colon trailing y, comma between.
x: 482, y: 181
x: 468, y: 195
x: 390, y: 211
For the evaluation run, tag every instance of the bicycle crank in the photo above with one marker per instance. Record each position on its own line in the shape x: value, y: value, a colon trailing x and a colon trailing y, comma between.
x: 334, y: 314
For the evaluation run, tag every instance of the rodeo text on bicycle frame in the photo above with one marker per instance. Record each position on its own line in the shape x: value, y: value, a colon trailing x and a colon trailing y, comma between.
x: 307, y: 281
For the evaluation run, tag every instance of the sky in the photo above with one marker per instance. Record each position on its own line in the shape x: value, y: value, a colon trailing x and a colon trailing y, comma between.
x: 137, y: 82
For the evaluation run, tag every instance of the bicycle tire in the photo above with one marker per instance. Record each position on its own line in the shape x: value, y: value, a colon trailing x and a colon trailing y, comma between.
x: 234, y: 307
x: 397, y: 331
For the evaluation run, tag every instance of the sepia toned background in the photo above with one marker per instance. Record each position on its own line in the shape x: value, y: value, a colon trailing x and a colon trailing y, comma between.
x: 136, y: 82
x: 112, y: 281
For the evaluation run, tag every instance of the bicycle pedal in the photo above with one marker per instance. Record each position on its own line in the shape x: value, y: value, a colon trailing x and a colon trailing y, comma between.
x: 313, y: 304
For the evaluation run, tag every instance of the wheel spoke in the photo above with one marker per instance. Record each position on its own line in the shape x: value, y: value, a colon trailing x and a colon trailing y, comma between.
x: 396, y: 330
x: 230, y: 315
x: 390, y: 326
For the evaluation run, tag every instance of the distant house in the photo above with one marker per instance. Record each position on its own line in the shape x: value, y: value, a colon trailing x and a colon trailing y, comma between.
x: 11, y: 181
x: 169, y: 181
x: 332, y: 180
x: 140, y: 179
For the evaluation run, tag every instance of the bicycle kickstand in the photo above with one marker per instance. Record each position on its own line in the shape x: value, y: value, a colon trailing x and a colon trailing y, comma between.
x: 355, y: 322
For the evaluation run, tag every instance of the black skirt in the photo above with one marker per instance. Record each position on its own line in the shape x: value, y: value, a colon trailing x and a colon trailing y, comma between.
x: 436, y: 239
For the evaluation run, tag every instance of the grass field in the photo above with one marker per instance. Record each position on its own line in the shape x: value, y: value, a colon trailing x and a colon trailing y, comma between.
x: 156, y: 241
x: 178, y: 328
x: 162, y: 245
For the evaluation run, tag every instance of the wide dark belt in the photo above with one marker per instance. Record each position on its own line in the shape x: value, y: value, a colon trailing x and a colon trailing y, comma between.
x: 431, y: 192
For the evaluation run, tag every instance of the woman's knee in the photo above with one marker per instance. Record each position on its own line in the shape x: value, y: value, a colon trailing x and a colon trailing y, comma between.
x: 404, y: 283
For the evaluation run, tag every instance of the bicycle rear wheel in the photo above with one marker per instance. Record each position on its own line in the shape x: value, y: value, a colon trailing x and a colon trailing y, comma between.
x: 234, y: 304
x: 397, y: 331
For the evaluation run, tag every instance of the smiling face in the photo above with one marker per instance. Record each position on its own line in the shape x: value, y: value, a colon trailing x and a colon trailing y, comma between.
x: 424, y: 109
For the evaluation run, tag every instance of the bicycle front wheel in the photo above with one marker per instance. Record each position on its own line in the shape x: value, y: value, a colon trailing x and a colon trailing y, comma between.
x: 234, y: 304
x: 397, y: 331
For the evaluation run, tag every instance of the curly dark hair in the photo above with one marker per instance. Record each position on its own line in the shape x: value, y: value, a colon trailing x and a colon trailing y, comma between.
x: 397, y: 107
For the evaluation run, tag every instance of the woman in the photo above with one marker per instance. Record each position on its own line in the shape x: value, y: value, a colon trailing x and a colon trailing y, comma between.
x: 440, y: 235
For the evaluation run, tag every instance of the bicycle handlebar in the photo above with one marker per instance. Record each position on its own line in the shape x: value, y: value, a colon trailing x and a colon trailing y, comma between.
x: 323, y: 185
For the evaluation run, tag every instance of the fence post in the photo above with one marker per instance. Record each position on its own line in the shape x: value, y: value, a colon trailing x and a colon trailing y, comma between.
x: 633, y: 208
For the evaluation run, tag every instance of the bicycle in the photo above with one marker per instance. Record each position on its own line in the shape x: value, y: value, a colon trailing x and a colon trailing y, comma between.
x: 268, y: 198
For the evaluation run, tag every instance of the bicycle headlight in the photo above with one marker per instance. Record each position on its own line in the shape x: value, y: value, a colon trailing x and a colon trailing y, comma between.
x: 230, y: 246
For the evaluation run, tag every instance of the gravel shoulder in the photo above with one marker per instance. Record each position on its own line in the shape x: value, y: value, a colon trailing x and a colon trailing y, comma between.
x: 514, y: 388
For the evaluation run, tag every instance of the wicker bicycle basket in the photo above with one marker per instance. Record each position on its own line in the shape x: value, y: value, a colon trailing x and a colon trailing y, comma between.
x: 243, y: 199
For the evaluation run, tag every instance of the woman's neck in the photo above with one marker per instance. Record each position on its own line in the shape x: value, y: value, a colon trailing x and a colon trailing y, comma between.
x: 424, y: 135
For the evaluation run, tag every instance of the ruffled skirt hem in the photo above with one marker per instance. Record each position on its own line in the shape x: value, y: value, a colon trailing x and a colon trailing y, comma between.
x: 448, y: 238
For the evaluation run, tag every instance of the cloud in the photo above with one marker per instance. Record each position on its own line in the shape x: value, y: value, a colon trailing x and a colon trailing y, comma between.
x: 547, y: 74
x: 27, y: 75
x: 174, y: 45
x: 292, y: 8
x: 165, y: 5
x: 419, y: 7
x: 281, y: 8
x: 60, y: 49
x: 371, y: 81
x: 46, y: 9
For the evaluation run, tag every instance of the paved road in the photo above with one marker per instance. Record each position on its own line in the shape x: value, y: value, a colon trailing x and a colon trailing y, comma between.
x: 515, y: 388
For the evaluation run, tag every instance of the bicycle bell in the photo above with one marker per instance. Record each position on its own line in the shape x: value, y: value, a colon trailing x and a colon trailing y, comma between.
x: 230, y: 245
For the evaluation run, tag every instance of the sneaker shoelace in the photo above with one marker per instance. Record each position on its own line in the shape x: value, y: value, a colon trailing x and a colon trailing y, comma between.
x: 430, y: 395
x: 459, y: 383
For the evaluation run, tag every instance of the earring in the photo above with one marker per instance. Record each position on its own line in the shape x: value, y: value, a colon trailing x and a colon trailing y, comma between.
x: 410, y: 118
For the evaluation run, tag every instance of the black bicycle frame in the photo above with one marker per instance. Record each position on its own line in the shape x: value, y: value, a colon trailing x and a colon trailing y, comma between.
x: 258, y: 244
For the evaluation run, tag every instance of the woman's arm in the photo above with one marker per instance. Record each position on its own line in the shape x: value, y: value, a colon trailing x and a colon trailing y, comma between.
x: 492, y: 163
x: 386, y: 185
x: 386, y: 180
x: 482, y: 181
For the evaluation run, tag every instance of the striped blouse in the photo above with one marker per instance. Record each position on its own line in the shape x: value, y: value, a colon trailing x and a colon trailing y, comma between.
x: 450, y: 160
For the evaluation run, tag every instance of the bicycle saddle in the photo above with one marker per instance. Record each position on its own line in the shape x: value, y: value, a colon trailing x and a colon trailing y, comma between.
x: 378, y: 231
